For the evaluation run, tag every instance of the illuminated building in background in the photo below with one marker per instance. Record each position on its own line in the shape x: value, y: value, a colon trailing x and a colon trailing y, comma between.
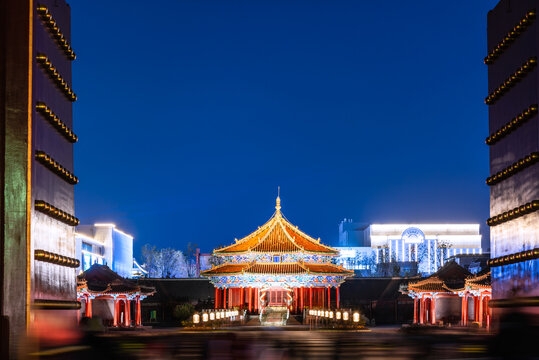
x: 513, y: 140
x: 37, y: 264
x: 104, y: 244
x: 405, y: 249
x: 277, y: 266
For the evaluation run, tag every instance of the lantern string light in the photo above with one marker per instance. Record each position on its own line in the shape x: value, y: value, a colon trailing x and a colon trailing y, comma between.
x: 46, y: 256
x: 51, y: 24
x: 510, y: 37
x: 511, y: 81
x: 514, y: 168
x: 514, y: 258
x: 55, y: 76
x: 56, y: 213
x: 56, y: 167
x: 55, y: 121
x: 512, y: 125
x: 514, y: 213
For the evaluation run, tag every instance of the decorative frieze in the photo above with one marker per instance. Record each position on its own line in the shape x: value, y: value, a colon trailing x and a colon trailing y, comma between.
x: 57, y: 259
x: 514, y: 213
x: 53, y: 73
x: 56, y: 167
x: 56, y: 213
x: 512, y: 80
x: 513, y: 168
x: 510, y: 37
x: 50, y: 23
x: 55, y: 121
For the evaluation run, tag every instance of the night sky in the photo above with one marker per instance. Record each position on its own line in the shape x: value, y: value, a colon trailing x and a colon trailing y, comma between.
x: 191, y: 113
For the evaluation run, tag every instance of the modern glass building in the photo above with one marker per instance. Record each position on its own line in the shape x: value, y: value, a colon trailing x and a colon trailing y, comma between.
x: 104, y: 244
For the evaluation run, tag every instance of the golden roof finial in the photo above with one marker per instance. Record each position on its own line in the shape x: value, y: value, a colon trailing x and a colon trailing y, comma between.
x: 278, y: 200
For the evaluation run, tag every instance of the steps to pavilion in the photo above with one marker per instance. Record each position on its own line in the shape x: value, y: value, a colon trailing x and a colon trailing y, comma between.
x: 274, y: 316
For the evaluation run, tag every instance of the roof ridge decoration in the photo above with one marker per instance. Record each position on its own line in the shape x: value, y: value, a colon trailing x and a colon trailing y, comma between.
x: 264, y: 232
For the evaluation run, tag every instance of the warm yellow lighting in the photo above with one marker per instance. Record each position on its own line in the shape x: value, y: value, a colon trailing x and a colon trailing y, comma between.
x: 196, y: 318
x: 338, y: 315
x: 326, y: 314
x: 205, y: 317
x: 222, y: 314
x: 212, y: 316
x: 356, y: 317
x: 331, y: 314
x: 218, y: 315
x: 345, y: 316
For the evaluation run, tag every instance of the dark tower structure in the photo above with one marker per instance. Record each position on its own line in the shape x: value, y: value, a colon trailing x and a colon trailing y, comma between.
x: 513, y: 81
x: 37, y: 265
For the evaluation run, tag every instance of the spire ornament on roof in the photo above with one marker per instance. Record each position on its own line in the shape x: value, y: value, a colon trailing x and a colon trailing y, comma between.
x: 278, y: 200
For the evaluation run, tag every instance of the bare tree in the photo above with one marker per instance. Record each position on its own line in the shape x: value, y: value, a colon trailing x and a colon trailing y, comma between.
x: 164, y: 263
x: 190, y: 259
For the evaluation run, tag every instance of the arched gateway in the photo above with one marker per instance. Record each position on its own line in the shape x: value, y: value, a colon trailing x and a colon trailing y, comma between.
x: 277, y: 266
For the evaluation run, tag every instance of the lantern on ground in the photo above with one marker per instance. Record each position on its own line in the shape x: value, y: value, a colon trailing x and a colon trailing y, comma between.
x: 218, y: 315
x: 338, y: 315
x: 222, y: 314
x: 196, y: 318
x: 326, y: 314
x: 345, y: 316
x: 331, y: 314
x: 356, y: 317
x: 212, y: 316
x: 204, y: 317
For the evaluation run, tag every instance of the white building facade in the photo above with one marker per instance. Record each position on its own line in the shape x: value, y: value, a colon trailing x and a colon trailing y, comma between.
x: 409, y: 248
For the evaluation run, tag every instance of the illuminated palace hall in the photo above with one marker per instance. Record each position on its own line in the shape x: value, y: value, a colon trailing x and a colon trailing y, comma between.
x: 277, y: 266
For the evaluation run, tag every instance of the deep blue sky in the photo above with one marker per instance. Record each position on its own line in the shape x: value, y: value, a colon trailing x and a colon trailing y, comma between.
x: 191, y: 113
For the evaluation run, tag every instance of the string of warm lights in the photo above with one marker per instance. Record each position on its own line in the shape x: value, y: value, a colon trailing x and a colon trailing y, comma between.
x: 512, y: 125
x: 513, y: 168
x: 514, y: 258
x: 514, y: 213
x: 56, y: 213
x: 57, y: 259
x: 49, y: 21
x: 55, y: 76
x: 511, y: 81
x: 55, y: 121
x: 56, y: 167
x: 511, y: 36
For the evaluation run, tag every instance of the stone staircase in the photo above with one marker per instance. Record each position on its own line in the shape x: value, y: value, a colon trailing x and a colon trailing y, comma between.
x: 274, y: 316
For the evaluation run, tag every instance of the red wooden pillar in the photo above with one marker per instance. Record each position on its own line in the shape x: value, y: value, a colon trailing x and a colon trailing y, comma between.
x: 329, y: 297
x: 127, y: 312
x: 223, y: 305
x: 242, y: 293
x: 250, y: 299
x: 433, y: 310
x: 464, y: 310
x: 310, y: 298
x: 421, y: 310
x: 88, y: 306
x: 338, y: 297
x: 138, y: 313
x: 217, y: 298
x: 115, y: 317
x: 415, y: 310
x: 301, y: 295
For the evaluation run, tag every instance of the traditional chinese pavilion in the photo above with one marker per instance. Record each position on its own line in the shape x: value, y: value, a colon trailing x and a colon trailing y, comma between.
x: 116, y: 298
x: 278, y: 265
x: 452, y: 295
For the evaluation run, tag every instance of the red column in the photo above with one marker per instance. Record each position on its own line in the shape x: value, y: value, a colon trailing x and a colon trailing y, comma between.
x: 223, y: 305
x: 138, y: 313
x: 230, y: 304
x: 88, y: 306
x: 242, y: 293
x: 257, y: 300
x: 115, y: 318
x: 338, y: 297
x: 421, y: 310
x: 250, y: 299
x: 433, y: 310
x: 310, y: 297
x: 127, y: 311
x: 301, y: 295
x: 329, y: 297
x: 464, y: 310
x: 480, y: 312
x: 415, y: 310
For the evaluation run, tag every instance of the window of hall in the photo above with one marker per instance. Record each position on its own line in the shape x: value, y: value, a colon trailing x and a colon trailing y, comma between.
x: 276, y: 258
